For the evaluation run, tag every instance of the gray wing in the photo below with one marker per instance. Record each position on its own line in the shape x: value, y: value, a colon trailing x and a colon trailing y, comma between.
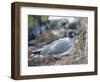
x: 46, y: 49
x: 60, y: 47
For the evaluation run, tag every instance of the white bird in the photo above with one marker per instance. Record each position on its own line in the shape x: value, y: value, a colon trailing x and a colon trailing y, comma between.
x: 60, y: 47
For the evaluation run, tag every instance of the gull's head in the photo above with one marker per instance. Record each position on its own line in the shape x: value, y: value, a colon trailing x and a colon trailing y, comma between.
x: 71, y: 34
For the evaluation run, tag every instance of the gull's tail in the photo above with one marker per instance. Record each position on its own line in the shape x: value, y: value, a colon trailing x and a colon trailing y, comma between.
x: 36, y: 52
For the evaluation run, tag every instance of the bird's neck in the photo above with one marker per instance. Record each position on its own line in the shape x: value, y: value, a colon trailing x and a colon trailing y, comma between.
x: 71, y: 39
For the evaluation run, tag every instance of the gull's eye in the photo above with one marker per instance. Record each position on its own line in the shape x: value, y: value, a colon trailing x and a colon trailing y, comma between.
x: 71, y: 34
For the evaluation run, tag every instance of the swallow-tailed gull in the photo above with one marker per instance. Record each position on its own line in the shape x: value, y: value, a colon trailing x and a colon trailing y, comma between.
x: 60, y: 47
